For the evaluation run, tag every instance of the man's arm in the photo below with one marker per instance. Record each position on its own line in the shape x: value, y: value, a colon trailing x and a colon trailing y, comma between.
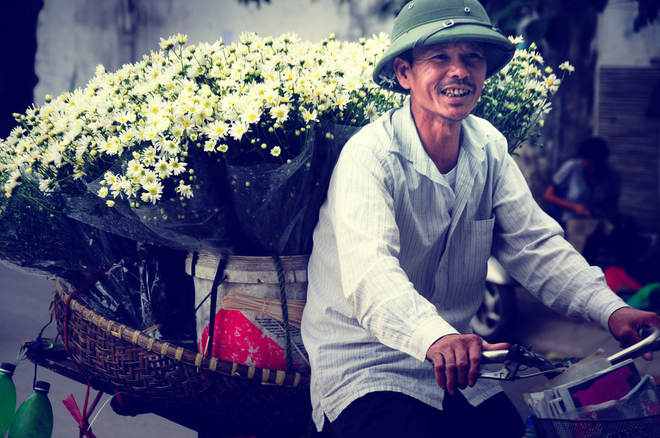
x: 551, y: 196
x: 557, y: 274
x: 531, y: 247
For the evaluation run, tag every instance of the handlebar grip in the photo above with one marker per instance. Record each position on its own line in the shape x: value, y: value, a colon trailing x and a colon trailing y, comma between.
x: 518, y: 355
x: 494, y: 356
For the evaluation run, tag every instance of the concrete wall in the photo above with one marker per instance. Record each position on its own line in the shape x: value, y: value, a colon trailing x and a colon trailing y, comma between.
x: 619, y: 44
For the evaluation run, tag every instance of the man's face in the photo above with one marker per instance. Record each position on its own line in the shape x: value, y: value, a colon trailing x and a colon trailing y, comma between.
x: 445, y: 80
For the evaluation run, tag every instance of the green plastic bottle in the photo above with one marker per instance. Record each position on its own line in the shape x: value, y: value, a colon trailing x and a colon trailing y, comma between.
x: 7, y: 396
x: 34, y: 419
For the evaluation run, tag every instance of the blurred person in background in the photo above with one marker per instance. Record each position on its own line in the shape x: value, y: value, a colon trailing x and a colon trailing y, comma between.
x: 584, y: 195
x: 587, y: 186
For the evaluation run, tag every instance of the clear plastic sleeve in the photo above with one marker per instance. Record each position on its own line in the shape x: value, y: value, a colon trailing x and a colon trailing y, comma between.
x: 278, y: 205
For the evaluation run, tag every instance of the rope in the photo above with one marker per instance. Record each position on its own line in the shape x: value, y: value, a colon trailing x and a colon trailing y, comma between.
x: 285, y: 313
x: 37, y: 347
x: 219, y: 275
x: 82, y: 418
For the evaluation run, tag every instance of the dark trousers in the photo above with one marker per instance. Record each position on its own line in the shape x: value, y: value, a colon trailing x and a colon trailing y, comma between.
x: 396, y: 415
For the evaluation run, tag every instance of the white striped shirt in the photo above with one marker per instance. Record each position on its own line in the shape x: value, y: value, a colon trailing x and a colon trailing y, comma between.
x: 392, y: 270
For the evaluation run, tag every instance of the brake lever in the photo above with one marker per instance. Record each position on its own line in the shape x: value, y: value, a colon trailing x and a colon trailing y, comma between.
x: 508, y: 372
x: 513, y: 359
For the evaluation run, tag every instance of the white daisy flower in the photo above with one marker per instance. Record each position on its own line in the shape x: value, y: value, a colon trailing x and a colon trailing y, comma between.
x: 154, y: 191
x: 237, y: 130
x: 280, y: 113
x: 184, y: 190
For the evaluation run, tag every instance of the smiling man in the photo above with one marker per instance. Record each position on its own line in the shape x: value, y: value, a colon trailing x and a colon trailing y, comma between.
x: 417, y: 203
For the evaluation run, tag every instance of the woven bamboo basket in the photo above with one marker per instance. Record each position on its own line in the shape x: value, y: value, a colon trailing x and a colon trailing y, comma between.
x: 231, y: 399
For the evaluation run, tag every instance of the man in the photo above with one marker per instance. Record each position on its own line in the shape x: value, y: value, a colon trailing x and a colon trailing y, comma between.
x: 585, y: 194
x: 418, y: 201
x: 587, y: 186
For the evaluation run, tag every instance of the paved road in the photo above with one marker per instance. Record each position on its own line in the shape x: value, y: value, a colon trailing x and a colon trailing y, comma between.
x: 24, y: 311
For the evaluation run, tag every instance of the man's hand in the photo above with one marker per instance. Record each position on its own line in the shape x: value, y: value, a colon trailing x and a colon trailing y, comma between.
x: 626, y: 322
x: 456, y: 360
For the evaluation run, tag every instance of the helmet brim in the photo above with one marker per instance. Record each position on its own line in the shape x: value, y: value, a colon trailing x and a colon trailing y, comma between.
x: 497, y: 48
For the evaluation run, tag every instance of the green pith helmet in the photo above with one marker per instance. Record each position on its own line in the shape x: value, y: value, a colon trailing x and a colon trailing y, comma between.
x: 425, y: 22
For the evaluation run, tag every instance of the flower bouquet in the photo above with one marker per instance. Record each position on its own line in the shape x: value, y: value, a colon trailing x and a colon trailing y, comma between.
x: 518, y: 96
x: 226, y: 148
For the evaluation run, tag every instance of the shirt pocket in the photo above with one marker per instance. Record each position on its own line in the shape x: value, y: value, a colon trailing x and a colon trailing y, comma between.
x: 478, y: 239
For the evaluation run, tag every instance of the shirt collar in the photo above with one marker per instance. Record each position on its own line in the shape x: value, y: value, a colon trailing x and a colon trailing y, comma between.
x: 409, y: 145
x: 474, y: 138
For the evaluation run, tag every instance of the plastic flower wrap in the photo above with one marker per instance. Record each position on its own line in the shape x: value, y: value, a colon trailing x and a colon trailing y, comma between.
x: 38, y: 238
x: 516, y: 99
x: 226, y: 148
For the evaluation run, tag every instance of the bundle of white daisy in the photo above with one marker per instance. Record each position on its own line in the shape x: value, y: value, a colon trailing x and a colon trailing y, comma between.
x: 129, y: 135
x: 254, y: 101
x: 516, y: 99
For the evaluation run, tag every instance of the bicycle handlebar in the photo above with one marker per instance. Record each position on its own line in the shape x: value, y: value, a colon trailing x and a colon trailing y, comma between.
x: 522, y: 355
x: 517, y: 356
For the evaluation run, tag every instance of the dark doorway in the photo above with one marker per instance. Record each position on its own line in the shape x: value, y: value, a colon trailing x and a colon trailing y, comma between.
x: 17, y: 73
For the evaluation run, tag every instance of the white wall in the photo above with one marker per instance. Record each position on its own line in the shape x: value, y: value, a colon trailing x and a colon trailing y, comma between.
x: 74, y: 36
x: 619, y: 44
